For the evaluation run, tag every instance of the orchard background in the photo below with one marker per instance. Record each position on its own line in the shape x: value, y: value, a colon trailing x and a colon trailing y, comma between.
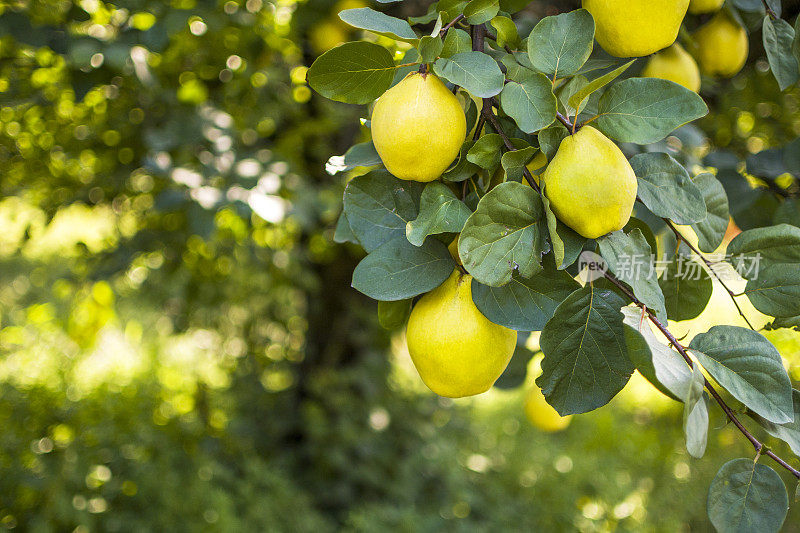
x: 180, y: 345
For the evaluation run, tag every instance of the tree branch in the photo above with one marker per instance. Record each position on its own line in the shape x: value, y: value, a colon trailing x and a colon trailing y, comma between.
x: 769, y: 10
x: 710, y: 266
x: 758, y: 445
x: 450, y: 24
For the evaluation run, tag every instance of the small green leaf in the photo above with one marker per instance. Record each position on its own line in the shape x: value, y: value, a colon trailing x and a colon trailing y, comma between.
x: 695, y: 416
x: 378, y: 207
x: 353, y: 73
x: 368, y: 19
x: 430, y: 48
x: 359, y: 155
x: 711, y: 230
x: 550, y: 139
x: 775, y: 291
x: 398, y: 270
x: 439, y: 212
x: 559, y: 45
x: 773, y: 245
x: 462, y: 169
x: 585, y: 362
x: 567, y: 243
x: 578, y: 99
x: 666, y: 188
x: 629, y: 257
x: 393, y: 315
x: 507, y: 34
x: 778, y: 41
x: 486, y: 151
x: 455, y: 42
x: 749, y: 367
x: 516, y: 372
x: 687, y: 287
x: 481, y: 11
x: 645, y: 110
x: 530, y: 102
x: 504, y: 235
x: 524, y: 304
x: 747, y: 496
x: 474, y: 71
x: 515, y: 161
x: 658, y: 363
x: 788, y: 433
x: 343, y: 232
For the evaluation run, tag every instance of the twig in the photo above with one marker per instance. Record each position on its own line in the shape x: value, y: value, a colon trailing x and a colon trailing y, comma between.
x: 710, y: 268
x: 758, y: 445
x: 769, y: 10
x: 451, y: 24
x: 565, y: 121
x: 491, y: 118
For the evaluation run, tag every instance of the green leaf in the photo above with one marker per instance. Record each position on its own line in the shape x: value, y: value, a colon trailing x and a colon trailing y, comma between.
x: 530, y: 102
x: 711, y: 230
x: 749, y: 367
x: 666, y: 188
x: 788, y: 212
x: 788, y: 433
x: 687, y: 287
x: 658, y: 363
x: 550, y: 139
x: 578, y: 99
x: 368, y: 19
x: 629, y: 257
x: 515, y: 160
x: 378, y: 207
x: 439, y: 212
x: 353, y: 73
x: 393, y: 315
x: 359, y: 155
x: 585, y: 363
x: 474, y: 71
x: 774, y: 245
x: 567, y: 243
x: 430, y: 48
x: 559, y: 46
x: 343, y: 232
x: 462, y: 169
x: 776, y: 290
x: 778, y: 41
x: 507, y: 34
x: 504, y: 235
x: 486, y: 151
x: 695, y: 415
x: 516, y: 372
x: 455, y: 42
x: 645, y: 110
x: 481, y: 11
x: 747, y: 496
x: 398, y: 270
x: 796, y: 44
x: 524, y: 304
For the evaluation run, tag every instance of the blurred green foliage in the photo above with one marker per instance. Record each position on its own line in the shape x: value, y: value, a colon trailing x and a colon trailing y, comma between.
x: 180, y: 347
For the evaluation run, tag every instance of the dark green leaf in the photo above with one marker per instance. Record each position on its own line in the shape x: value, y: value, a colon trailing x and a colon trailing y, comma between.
x: 474, y: 71
x: 749, y: 367
x: 439, y: 212
x: 687, y: 287
x: 666, y: 188
x: 645, y: 110
x: 359, y: 155
x: 514, y: 161
x: 380, y: 23
x: 486, y: 151
x: 354, y: 73
x: 747, y: 496
x: 398, y: 270
x: 790, y: 432
x: 774, y: 245
x: 775, y: 291
x: 711, y: 230
x: 504, y: 235
x: 430, y: 48
x: 455, y: 42
x: 550, y: 139
x: 530, y: 102
x: 524, y: 304
x: 559, y: 45
x: 378, y: 207
x: 516, y: 372
x: 462, y: 169
x: 481, y: 11
x: 343, y: 232
x: 778, y: 40
x: 585, y: 362
x: 629, y: 257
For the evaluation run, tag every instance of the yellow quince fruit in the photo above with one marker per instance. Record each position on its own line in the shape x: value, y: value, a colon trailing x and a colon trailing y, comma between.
x: 541, y: 414
x: 721, y: 46
x: 635, y: 28
x: 418, y: 127
x: 696, y: 7
x: 590, y: 184
x: 457, y: 351
x: 674, y: 64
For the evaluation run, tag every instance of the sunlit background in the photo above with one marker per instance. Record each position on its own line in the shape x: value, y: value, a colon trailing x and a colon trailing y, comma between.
x: 180, y: 348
